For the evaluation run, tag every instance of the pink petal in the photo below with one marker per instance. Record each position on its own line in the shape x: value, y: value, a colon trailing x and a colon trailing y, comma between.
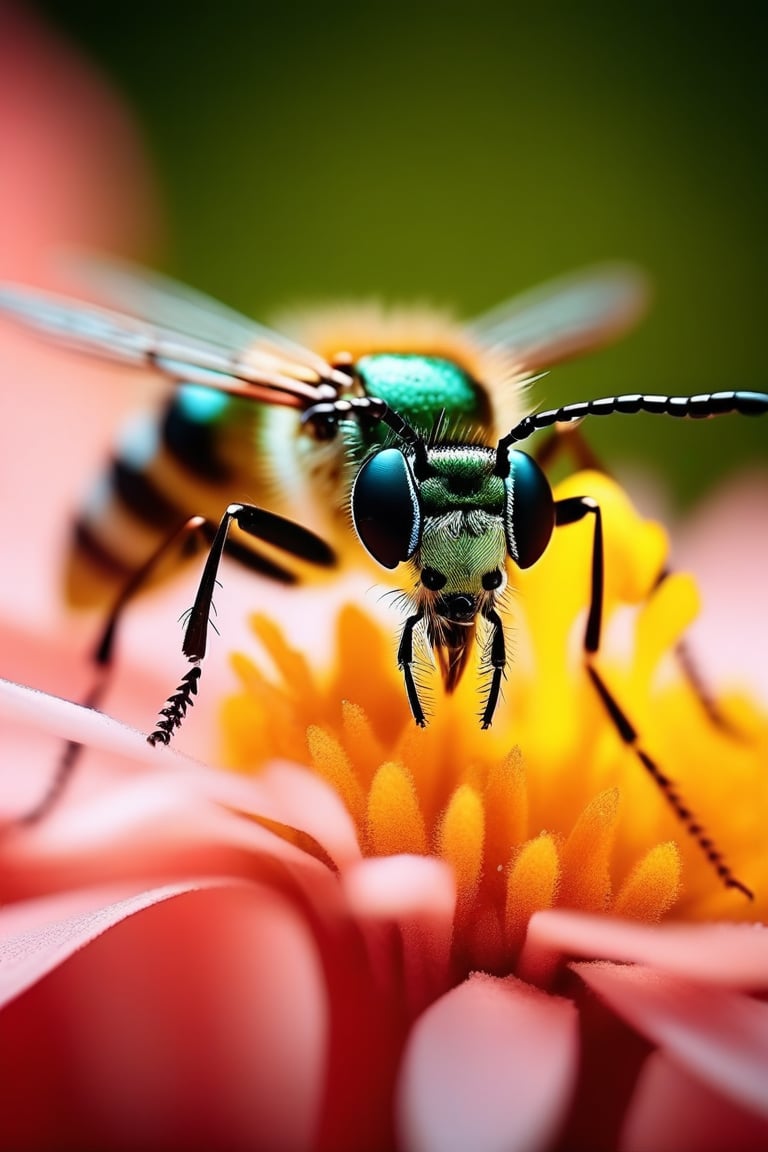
x: 418, y: 895
x: 725, y: 542
x: 38, y: 936
x: 68, y: 721
x: 200, y: 1023
x: 735, y: 955
x: 282, y: 793
x: 297, y: 797
x: 719, y: 1036
x: 144, y: 828
x: 44, y: 645
x: 490, y: 1067
x: 672, y: 1111
x: 402, y: 887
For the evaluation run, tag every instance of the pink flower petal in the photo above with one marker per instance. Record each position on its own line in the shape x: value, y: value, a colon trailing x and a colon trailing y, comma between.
x: 53, y: 654
x: 725, y: 542
x: 720, y: 1036
x: 200, y: 1023
x: 297, y: 797
x: 671, y: 1111
x: 282, y: 793
x: 489, y: 1067
x: 37, y: 937
x: 68, y: 721
x: 735, y: 955
x: 402, y: 887
x: 144, y: 828
x: 418, y: 894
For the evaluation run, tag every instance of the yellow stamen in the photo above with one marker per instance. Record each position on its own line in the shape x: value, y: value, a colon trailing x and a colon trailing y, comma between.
x: 331, y: 762
x: 506, y: 802
x: 363, y: 747
x: 460, y: 841
x: 586, y: 855
x: 395, y: 823
x: 652, y: 886
x: 532, y: 885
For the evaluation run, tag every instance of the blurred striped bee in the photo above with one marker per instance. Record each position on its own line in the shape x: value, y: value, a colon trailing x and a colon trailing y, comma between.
x: 231, y: 427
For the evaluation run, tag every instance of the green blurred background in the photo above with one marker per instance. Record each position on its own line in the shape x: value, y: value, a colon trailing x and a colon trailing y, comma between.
x: 461, y: 153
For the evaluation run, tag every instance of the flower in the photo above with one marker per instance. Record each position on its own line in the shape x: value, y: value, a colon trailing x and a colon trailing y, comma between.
x: 552, y: 761
x: 367, y: 936
x: 413, y: 924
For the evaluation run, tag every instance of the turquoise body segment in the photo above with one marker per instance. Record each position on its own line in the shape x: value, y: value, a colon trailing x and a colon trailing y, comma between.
x: 420, y: 387
x: 201, y: 405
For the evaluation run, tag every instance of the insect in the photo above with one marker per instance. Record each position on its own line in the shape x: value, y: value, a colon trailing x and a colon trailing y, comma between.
x: 399, y: 428
x: 236, y: 421
x: 232, y: 423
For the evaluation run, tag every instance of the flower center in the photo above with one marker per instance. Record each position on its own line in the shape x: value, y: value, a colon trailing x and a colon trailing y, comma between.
x: 549, y: 807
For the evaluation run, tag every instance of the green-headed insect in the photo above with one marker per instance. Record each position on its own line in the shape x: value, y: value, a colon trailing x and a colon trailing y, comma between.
x: 395, y: 418
x: 256, y: 416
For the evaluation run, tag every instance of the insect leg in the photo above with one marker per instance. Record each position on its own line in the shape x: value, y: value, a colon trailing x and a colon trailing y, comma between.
x: 697, y: 681
x: 255, y: 521
x: 405, y: 661
x: 178, y: 537
x: 570, y: 511
x: 66, y: 763
x: 567, y: 438
x: 498, y: 664
x: 102, y: 657
x: 265, y: 526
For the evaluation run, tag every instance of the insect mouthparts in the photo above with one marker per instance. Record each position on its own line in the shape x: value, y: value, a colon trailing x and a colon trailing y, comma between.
x: 461, y: 607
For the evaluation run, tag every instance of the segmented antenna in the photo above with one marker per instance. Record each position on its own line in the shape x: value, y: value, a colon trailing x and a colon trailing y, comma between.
x: 699, y: 407
x: 372, y: 408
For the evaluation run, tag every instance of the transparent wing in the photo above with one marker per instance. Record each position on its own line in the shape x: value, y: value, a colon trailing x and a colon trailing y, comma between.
x: 564, y: 318
x: 188, y: 337
x: 162, y: 301
x: 164, y: 329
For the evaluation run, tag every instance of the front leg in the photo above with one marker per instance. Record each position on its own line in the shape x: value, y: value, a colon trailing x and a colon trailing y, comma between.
x: 405, y: 662
x: 265, y: 526
x: 498, y: 664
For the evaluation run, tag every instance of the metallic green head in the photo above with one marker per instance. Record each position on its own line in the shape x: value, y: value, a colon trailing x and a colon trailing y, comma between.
x: 419, y: 387
x: 449, y: 511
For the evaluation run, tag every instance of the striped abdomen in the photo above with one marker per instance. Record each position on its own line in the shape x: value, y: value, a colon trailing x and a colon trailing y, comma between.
x: 201, y: 452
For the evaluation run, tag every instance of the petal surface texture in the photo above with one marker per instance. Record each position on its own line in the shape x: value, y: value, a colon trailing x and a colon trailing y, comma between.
x: 489, y: 1067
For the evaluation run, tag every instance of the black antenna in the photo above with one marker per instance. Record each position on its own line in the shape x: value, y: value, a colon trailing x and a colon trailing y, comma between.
x: 699, y: 407
x: 373, y: 408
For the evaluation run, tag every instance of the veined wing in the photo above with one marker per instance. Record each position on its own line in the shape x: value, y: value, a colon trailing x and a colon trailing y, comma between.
x: 191, y: 338
x: 564, y: 318
x: 159, y: 300
x: 167, y: 338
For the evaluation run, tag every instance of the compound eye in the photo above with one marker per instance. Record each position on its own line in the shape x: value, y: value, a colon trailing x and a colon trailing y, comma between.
x: 385, y: 508
x: 491, y: 580
x: 433, y: 579
x: 529, y: 515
